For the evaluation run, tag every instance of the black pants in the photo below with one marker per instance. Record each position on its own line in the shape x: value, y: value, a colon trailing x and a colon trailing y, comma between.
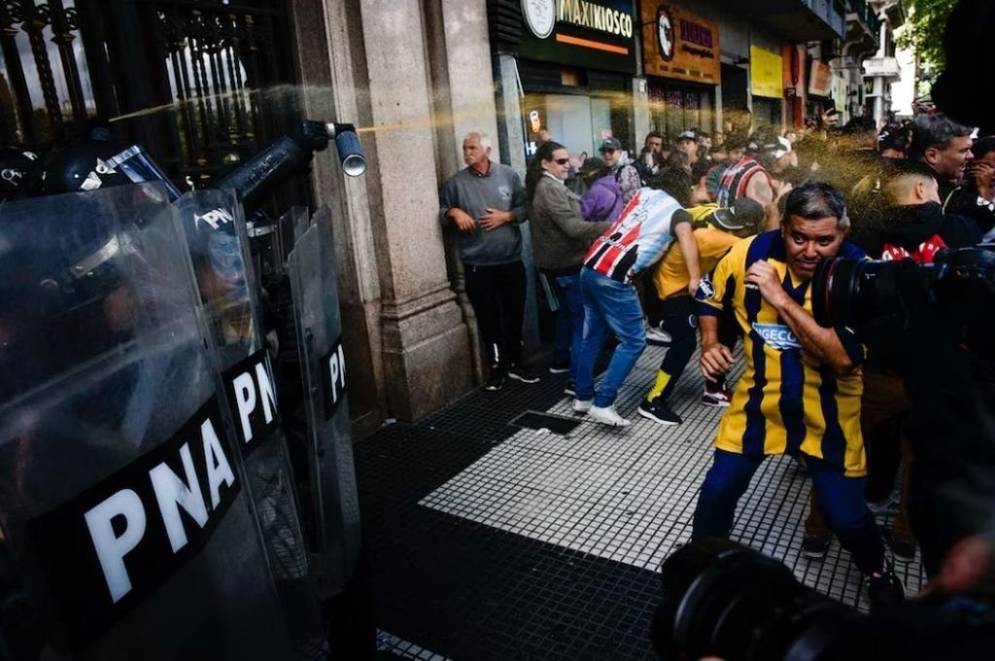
x: 680, y: 321
x: 497, y: 294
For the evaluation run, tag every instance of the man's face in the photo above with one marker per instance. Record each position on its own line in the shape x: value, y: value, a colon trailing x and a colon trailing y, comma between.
x: 808, y: 241
x: 654, y: 144
x: 949, y: 162
x: 474, y: 153
x: 610, y: 156
x: 558, y: 165
x: 689, y: 147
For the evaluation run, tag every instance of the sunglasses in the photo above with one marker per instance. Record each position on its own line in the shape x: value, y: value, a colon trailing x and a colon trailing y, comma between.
x: 561, y: 161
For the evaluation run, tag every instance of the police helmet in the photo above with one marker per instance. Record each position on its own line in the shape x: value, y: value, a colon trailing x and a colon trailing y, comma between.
x: 81, y: 166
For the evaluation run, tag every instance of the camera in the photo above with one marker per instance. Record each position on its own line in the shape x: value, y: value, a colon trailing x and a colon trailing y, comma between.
x: 955, y: 290
x: 724, y: 600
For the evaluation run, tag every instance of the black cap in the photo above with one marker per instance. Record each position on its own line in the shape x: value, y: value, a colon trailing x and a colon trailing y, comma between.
x: 744, y: 213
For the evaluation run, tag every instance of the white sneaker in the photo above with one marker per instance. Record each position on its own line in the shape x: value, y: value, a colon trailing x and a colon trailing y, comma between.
x: 608, y: 416
x: 657, y: 336
x: 582, y: 405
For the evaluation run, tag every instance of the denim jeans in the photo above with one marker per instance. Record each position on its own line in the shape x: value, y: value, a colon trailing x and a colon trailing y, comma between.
x: 572, y: 313
x: 614, y: 305
x: 841, y: 498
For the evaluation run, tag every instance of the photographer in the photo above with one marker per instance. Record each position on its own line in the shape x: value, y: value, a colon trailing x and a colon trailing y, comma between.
x: 800, y: 392
x: 910, y: 224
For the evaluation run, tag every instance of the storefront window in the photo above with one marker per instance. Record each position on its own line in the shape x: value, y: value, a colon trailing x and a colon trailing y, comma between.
x: 675, y: 108
x: 576, y: 121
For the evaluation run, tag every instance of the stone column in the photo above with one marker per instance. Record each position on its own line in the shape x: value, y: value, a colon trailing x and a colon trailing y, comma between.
x: 366, y: 61
x: 426, y: 352
x: 329, y: 42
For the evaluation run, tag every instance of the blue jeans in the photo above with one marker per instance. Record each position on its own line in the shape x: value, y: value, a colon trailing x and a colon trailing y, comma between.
x: 841, y: 498
x: 570, y: 319
x: 608, y: 304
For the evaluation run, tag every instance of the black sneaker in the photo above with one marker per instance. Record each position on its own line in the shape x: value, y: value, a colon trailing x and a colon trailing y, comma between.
x: 523, y: 374
x: 659, y: 412
x: 903, y: 550
x: 884, y: 590
x: 570, y: 390
x: 815, y: 547
x: 498, y: 378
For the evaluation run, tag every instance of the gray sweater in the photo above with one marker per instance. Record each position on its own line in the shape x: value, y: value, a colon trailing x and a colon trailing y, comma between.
x: 560, y: 235
x: 501, y: 188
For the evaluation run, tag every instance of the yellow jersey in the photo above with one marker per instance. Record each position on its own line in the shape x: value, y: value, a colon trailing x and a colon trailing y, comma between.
x: 786, y: 401
x: 672, y: 278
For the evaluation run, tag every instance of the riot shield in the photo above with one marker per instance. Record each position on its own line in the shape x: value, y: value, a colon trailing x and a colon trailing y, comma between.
x: 331, y: 508
x: 125, y: 530
x: 219, y: 249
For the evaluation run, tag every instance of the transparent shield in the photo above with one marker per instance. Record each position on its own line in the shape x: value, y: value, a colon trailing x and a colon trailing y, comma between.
x: 219, y: 248
x: 125, y: 529
x: 333, y: 510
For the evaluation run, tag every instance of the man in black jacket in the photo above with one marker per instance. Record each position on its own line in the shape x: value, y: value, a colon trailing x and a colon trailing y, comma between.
x: 945, y: 146
x: 913, y: 216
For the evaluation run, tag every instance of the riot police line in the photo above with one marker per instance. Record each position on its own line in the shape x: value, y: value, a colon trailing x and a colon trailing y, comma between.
x: 153, y: 502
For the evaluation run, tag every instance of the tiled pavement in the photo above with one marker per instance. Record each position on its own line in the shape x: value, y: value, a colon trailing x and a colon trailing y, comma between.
x: 494, y: 541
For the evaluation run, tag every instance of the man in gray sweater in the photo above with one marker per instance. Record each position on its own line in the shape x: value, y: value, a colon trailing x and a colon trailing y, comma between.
x: 485, y: 203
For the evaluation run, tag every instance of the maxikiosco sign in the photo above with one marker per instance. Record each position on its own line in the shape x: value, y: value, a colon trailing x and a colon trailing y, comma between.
x: 597, y: 34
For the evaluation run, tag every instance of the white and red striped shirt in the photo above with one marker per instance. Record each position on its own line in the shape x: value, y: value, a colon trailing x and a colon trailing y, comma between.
x: 640, y: 236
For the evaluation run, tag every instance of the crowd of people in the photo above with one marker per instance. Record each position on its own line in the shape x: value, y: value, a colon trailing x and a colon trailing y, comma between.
x: 718, y: 238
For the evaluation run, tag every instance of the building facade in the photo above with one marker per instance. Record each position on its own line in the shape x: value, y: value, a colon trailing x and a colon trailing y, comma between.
x: 415, y: 77
x: 883, y: 70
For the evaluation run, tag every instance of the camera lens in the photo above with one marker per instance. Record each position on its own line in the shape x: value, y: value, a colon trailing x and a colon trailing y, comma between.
x: 723, y: 599
x: 847, y: 292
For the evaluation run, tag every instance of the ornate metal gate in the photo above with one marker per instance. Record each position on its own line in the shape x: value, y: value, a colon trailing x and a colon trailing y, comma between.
x: 201, y: 84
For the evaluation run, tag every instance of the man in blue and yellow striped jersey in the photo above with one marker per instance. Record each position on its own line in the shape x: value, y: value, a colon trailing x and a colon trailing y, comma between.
x: 800, y: 391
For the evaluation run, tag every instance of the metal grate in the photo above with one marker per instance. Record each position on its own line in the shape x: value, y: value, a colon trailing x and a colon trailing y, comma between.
x: 556, y: 424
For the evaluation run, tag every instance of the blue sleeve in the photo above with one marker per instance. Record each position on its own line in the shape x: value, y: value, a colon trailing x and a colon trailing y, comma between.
x: 851, y: 344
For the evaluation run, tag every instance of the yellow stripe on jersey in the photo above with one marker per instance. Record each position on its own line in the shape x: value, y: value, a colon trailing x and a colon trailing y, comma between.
x: 785, y: 401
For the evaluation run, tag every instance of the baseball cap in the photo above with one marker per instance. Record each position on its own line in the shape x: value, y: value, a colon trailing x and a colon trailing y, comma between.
x: 744, y: 213
x: 609, y: 144
x: 689, y: 134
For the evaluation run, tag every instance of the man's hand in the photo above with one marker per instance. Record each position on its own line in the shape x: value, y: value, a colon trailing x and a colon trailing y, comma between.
x: 693, y: 286
x: 716, y: 361
x: 464, y: 222
x: 968, y: 564
x: 495, y: 218
x: 980, y: 175
x: 765, y: 277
